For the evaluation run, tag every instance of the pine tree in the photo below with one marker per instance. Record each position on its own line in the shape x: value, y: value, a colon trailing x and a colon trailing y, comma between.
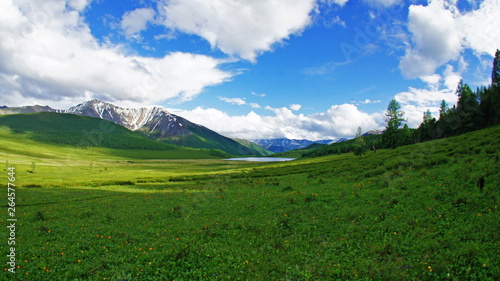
x: 394, y: 115
x: 394, y: 120
x: 360, y: 144
x: 443, y: 108
x: 494, y: 90
x: 495, y: 74
x: 467, y: 108
x: 427, y: 130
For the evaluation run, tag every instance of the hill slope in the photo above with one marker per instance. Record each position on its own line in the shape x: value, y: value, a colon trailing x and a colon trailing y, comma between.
x: 419, y: 212
x: 83, y: 131
x: 160, y: 125
x: 155, y: 123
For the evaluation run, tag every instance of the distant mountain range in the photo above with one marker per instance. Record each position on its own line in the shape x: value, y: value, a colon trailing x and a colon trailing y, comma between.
x: 158, y: 124
x: 155, y: 123
x: 283, y: 145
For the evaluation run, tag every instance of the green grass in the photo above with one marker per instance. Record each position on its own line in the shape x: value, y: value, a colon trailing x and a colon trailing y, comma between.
x: 421, y: 212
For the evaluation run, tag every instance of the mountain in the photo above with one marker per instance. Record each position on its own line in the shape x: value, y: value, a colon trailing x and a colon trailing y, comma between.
x: 373, y: 132
x: 159, y: 124
x: 155, y: 123
x: 79, y: 131
x: 297, y: 153
x: 130, y: 118
x: 49, y: 128
x: 255, y: 146
x: 4, y: 110
x: 283, y: 144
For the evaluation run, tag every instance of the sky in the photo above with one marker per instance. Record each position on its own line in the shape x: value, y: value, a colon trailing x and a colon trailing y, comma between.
x: 298, y: 69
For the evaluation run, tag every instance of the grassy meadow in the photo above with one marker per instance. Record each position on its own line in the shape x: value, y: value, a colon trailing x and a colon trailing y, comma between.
x: 421, y: 212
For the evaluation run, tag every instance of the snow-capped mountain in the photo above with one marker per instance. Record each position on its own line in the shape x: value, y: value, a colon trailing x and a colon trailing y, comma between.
x: 155, y: 123
x: 131, y: 118
x: 282, y: 145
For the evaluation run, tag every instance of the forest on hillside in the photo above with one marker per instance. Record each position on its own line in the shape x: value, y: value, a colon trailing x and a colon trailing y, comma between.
x: 474, y: 110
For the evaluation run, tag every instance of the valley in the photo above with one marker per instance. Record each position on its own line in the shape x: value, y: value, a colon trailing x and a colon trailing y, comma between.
x: 420, y: 212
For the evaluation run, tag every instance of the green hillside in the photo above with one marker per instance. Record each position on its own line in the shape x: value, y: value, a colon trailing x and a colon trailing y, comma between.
x: 427, y: 211
x: 344, y: 146
x: 84, y: 132
x: 203, y: 138
x: 254, y: 146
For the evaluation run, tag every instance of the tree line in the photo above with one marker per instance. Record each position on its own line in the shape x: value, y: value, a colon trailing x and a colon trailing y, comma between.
x: 474, y: 110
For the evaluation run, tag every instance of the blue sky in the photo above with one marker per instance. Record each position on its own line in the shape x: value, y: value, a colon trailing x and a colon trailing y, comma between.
x: 300, y: 69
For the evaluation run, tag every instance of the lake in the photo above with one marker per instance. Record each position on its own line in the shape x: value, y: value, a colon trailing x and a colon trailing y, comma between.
x: 261, y: 159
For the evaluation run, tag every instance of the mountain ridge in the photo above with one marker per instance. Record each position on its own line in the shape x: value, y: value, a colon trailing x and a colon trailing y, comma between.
x: 156, y: 123
x: 283, y: 144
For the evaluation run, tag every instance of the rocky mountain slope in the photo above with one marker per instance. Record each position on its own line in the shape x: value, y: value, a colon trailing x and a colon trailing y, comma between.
x: 155, y: 123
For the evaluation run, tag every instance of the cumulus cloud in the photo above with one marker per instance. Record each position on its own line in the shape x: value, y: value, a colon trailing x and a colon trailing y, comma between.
x: 481, y: 28
x: 295, y: 107
x: 136, y: 21
x: 239, y: 101
x: 435, y: 37
x: 440, y: 32
x: 415, y: 102
x: 48, y: 53
x: 241, y: 28
x: 338, y: 121
x: 236, y: 101
x: 330, y: 2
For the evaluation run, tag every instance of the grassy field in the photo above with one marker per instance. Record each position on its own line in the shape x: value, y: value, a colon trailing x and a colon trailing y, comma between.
x: 422, y: 212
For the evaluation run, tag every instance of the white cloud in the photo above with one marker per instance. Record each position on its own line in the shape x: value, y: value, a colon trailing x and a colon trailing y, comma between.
x: 135, y: 21
x: 239, y: 101
x: 338, y: 2
x: 435, y: 37
x: 79, y: 5
x: 295, y: 107
x: 369, y: 101
x: 440, y: 32
x: 236, y: 101
x: 241, y: 28
x: 47, y: 53
x: 366, y: 101
x: 338, y: 121
x: 338, y: 21
x: 481, y: 28
x: 258, y: 95
x: 415, y: 102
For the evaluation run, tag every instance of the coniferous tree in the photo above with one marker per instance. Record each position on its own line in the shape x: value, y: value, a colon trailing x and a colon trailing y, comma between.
x: 443, y: 108
x: 467, y: 109
x: 495, y: 73
x: 394, y: 120
x: 427, y: 129
x: 360, y: 144
x: 494, y: 91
